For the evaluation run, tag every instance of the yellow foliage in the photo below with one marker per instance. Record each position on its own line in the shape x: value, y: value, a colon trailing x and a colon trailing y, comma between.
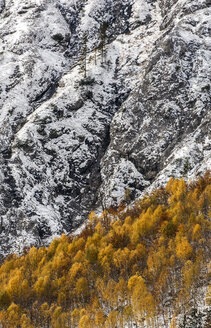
x: 75, y: 317
x: 196, y: 232
x: 25, y: 322
x: 184, y: 249
x: 121, y: 257
x: 188, y: 273
x: 142, y: 301
x: 173, y: 322
x: 99, y: 318
x: 13, y: 315
x: 121, y: 268
x: 82, y: 288
x: 93, y: 219
x: 85, y: 322
x: 112, y: 319
x: 76, y: 269
x: 42, y: 286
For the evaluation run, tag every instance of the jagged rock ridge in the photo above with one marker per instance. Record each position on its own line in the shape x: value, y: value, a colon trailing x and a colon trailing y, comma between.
x: 70, y: 144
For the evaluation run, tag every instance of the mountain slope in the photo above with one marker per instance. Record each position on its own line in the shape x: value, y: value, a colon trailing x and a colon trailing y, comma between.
x: 71, y: 143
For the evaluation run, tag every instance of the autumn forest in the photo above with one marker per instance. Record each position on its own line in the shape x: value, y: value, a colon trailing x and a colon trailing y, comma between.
x: 143, y: 265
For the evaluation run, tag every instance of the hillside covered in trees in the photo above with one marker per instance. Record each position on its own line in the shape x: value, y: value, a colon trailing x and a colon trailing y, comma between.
x: 140, y: 266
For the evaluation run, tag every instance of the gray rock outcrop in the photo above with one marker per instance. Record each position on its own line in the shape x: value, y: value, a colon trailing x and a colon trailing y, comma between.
x: 99, y: 100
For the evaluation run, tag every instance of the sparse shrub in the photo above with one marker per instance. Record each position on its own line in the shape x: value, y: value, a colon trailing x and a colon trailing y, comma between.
x: 86, y: 81
x: 53, y: 134
x: 58, y: 37
x: 187, y: 166
x: 205, y: 88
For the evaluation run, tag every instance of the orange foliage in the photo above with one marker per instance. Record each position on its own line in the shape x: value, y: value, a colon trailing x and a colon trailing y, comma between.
x: 119, y: 269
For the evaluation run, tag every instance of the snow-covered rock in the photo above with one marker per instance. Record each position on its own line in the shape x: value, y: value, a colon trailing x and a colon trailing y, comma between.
x: 70, y: 143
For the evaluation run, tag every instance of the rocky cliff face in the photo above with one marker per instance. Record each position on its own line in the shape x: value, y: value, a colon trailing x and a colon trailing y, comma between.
x: 100, y: 100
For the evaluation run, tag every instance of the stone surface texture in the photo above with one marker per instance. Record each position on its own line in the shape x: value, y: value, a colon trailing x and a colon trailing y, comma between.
x: 73, y: 140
